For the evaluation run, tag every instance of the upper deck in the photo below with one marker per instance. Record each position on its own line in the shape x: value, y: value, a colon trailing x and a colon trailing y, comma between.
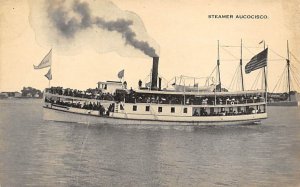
x: 170, y: 92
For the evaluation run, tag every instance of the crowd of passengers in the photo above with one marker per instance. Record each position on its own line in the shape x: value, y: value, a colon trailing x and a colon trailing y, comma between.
x: 192, y: 100
x: 87, y: 105
x: 88, y: 94
x: 131, y: 96
x: 203, y: 112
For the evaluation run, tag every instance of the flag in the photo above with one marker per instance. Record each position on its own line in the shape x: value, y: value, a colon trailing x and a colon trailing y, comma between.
x: 46, y: 62
x: 257, y: 62
x: 49, y: 75
x: 261, y: 42
x: 121, y: 74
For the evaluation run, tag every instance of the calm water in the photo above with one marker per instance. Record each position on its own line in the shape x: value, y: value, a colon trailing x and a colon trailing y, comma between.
x: 34, y: 152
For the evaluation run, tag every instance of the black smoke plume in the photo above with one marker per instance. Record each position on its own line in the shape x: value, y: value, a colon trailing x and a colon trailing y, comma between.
x: 69, y: 21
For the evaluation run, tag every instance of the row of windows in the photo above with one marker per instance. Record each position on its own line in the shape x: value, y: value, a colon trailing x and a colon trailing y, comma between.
x: 159, y: 109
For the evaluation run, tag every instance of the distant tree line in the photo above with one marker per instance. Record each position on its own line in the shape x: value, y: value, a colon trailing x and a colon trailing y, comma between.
x: 31, y: 92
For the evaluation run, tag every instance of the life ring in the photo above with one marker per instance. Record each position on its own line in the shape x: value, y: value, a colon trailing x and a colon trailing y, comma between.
x: 232, y: 103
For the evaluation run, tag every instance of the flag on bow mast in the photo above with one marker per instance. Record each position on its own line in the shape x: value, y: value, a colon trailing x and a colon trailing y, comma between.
x: 46, y: 62
x: 49, y: 75
x: 121, y: 74
x: 257, y: 62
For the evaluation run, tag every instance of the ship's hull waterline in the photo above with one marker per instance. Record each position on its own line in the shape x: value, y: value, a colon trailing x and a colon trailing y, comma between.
x: 66, y: 116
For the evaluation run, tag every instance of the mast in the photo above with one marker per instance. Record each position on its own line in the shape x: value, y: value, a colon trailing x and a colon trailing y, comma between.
x: 288, y: 70
x: 265, y: 75
x: 241, y: 65
x: 49, y: 83
x: 218, y: 64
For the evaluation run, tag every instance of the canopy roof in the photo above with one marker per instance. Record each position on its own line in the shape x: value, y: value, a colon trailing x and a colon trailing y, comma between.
x: 169, y: 92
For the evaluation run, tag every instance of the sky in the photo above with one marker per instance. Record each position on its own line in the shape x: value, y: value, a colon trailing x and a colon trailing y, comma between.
x: 179, y: 31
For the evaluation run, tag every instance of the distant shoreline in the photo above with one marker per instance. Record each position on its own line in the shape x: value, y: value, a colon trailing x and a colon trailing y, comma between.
x: 8, y: 98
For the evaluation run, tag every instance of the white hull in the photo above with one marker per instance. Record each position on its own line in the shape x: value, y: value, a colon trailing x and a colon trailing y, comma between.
x: 66, y: 116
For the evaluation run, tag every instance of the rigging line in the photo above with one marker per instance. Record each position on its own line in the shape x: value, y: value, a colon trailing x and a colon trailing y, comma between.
x: 286, y: 80
x: 233, y: 77
x: 294, y: 67
x: 279, y: 80
x: 294, y: 75
x: 277, y: 53
x: 229, y: 60
x: 255, y: 81
x: 238, y: 46
x: 248, y: 50
x: 238, y: 81
x: 294, y: 57
x: 162, y: 78
x: 297, y: 83
x: 230, y: 53
x: 262, y: 79
x: 292, y: 84
x: 260, y: 75
x: 252, y: 47
x: 294, y: 71
x: 213, y: 70
x: 232, y: 80
x: 235, y: 83
x: 165, y: 82
x: 229, y: 46
x: 281, y: 86
x: 170, y: 81
x: 283, y: 81
x: 276, y: 59
x: 248, y: 59
x: 146, y: 78
x: 276, y: 88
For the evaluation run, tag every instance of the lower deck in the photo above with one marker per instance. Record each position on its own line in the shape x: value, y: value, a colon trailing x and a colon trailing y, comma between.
x: 71, y: 114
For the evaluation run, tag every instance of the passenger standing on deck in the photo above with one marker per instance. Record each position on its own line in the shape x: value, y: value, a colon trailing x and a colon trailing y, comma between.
x: 125, y: 84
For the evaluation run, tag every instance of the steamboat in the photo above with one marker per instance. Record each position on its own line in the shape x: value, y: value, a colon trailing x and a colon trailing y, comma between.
x: 185, y: 105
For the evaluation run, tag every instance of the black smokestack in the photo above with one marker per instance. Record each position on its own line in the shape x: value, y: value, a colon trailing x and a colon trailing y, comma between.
x: 159, y: 83
x: 154, y: 73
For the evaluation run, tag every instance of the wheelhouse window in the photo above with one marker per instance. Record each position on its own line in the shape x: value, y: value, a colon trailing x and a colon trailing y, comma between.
x: 134, y: 107
x: 159, y: 109
x: 185, y: 110
x: 172, y: 109
x: 147, y: 108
